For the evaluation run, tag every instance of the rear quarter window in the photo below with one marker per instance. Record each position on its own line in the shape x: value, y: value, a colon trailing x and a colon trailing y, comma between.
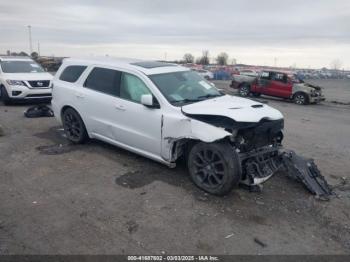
x: 104, y: 80
x: 72, y: 73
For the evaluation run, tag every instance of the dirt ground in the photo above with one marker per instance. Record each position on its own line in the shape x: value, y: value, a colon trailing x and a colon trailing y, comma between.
x: 98, y: 199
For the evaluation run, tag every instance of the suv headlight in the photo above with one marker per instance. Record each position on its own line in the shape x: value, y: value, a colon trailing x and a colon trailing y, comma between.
x: 15, y: 82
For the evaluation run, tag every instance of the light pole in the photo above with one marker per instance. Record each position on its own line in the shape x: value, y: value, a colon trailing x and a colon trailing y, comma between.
x: 30, y: 39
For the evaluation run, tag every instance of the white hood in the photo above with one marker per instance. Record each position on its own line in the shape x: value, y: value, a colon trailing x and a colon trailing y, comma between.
x: 28, y: 76
x: 236, y: 108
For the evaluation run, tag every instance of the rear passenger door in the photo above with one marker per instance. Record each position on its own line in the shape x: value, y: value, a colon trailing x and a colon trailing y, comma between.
x: 97, y: 99
x: 111, y: 102
x: 263, y: 83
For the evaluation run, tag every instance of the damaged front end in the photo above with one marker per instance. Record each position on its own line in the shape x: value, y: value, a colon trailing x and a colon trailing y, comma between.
x: 258, y: 145
x: 261, y: 154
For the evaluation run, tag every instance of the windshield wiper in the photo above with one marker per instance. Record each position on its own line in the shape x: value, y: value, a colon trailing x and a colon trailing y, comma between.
x: 209, y: 96
x: 186, y: 100
x: 197, y: 99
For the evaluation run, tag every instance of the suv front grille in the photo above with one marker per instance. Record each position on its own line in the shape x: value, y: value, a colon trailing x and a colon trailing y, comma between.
x: 39, y: 83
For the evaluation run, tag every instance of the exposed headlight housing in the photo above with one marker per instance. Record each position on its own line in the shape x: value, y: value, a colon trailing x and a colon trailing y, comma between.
x: 15, y: 82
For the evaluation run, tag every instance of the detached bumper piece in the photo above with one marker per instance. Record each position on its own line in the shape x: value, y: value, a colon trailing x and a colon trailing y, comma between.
x: 305, y: 171
x: 259, y: 165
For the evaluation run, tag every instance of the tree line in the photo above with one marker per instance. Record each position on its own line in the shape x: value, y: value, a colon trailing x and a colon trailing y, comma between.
x: 33, y: 55
x: 221, y: 59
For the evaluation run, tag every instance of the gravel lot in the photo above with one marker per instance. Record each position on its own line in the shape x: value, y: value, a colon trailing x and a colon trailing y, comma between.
x: 99, y: 199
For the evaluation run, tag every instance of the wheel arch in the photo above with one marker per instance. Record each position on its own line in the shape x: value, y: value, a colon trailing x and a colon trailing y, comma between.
x: 181, y: 147
x: 303, y: 93
x: 244, y: 84
x: 65, y: 107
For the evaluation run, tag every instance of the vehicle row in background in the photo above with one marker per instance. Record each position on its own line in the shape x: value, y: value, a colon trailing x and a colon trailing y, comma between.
x: 277, y: 84
x: 225, y: 72
x: 204, y: 73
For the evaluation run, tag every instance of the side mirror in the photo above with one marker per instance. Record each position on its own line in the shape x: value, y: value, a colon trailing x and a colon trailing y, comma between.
x: 147, y: 100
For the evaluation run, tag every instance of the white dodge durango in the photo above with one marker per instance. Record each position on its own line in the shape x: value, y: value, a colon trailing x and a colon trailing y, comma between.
x: 21, y: 78
x: 164, y: 111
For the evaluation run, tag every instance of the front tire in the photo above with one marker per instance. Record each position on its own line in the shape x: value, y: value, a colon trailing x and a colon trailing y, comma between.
x: 301, y: 99
x: 244, y: 90
x: 214, y: 167
x: 4, y: 96
x: 74, y: 126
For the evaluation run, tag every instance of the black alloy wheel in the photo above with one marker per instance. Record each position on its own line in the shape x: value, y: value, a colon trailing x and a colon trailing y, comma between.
x: 74, y: 127
x: 214, y: 167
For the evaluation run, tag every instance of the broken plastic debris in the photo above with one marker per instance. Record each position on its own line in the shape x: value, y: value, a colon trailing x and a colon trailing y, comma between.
x: 305, y: 171
x: 259, y: 242
x: 230, y: 235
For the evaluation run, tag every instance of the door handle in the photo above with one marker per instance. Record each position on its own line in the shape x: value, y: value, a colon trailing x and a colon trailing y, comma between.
x: 119, y: 107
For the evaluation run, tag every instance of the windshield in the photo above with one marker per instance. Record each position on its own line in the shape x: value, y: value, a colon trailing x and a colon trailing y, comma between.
x: 21, y: 67
x: 184, y: 87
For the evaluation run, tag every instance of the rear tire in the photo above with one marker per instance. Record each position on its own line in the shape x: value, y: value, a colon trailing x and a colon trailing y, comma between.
x: 301, y: 99
x: 244, y: 90
x: 74, y: 126
x: 214, y: 167
x: 4, y: 96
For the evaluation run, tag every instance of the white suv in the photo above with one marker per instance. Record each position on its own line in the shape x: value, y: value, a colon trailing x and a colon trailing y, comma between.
x: 163, y: 111
x: 21, y: 78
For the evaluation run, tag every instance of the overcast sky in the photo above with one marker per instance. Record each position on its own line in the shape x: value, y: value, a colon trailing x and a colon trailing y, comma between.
x: 295, y: 32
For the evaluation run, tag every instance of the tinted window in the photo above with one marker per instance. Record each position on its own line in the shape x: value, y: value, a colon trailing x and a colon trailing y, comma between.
x: 280, y: 77
x: 265, y: 75
x: 104, y: 80
x: 21, y: 67
x: 132, y: 88
x: 72, y: 73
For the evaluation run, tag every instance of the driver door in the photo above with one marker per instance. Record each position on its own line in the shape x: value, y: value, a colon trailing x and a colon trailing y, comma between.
x: 280, y: 86
x: 138, y: 126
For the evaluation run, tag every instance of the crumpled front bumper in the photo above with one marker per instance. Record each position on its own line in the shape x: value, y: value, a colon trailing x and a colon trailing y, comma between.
x: 261, y: 164
x: 317, y: 99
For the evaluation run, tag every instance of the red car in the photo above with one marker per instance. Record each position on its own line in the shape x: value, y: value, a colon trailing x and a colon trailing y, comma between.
x: 278, y: 84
